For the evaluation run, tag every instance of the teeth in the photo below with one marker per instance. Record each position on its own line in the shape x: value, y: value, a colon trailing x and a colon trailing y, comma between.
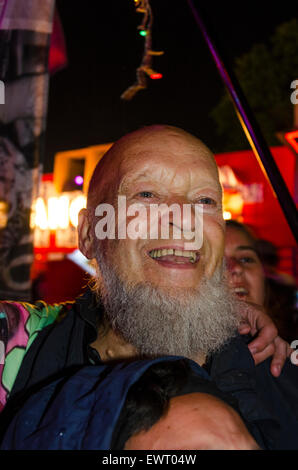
x: 186, y: 254
x: 166, y: 252
x: 240, y: 290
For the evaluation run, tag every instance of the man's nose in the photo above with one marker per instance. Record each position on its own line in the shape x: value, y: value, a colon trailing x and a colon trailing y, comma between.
x: 184, y: 217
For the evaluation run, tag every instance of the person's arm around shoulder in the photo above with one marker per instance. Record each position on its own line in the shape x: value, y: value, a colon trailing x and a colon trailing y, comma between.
x: 267, y: 343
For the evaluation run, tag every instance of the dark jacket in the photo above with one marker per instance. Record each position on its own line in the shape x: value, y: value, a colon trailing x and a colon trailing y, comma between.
x: 63, y: 347
x: 80, y: 412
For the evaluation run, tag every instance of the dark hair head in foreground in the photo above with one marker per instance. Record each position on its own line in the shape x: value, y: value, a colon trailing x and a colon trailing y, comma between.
x: 170, y: 407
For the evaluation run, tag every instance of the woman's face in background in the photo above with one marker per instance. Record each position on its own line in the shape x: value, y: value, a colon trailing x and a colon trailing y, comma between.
x: 245, y: 271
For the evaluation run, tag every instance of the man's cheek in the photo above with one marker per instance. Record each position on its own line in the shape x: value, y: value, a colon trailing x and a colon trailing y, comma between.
x: 126, y: 253
x: 213, y: 236
x: 213, y: 247
x: 106, y: 247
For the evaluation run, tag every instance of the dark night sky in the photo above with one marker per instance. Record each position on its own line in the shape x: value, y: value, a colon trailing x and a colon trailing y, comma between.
x: 104, y: 50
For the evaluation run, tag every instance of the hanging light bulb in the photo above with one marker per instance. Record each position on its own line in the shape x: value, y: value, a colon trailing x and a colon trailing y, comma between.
x: 156, y: 76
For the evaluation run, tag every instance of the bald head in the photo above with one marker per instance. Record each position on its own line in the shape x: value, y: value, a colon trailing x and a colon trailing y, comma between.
x: 196, y: 421
x: 137, y: 147
x: 154, y: 166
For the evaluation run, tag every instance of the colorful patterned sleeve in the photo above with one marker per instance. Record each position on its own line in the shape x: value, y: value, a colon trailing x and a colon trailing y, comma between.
x: 19, y: 326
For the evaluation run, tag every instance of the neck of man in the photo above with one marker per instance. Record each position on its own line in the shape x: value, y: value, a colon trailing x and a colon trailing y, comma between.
x: 112, y: 347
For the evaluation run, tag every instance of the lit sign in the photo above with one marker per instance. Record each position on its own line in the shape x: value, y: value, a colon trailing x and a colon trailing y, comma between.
x: 292, y: 139
x: 56, y: 212
x: 54, y: 217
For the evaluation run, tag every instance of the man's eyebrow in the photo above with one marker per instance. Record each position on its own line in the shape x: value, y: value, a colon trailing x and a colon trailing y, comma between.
x: 130, y: 180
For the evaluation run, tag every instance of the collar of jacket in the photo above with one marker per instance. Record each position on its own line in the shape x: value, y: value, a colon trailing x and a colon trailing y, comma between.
x: 91, y: 311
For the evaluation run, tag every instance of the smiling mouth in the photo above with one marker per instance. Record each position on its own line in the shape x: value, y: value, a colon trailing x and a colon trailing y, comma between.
x: 175, y: 256
x: 240, y: 292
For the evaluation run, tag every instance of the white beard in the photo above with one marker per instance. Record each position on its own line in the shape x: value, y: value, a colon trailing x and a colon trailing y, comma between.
x: 187, y: 322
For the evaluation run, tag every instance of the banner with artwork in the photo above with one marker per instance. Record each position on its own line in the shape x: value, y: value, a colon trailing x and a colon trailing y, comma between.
x: 25, y: 32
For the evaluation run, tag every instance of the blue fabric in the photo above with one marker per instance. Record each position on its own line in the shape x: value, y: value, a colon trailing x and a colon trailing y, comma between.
x: 271, y: 402
x: 81, y: 412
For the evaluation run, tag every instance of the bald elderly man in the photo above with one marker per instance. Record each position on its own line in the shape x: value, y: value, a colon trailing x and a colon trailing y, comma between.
x: 152, y: 296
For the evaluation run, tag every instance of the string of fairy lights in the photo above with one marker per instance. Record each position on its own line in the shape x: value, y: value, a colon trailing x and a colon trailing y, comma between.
x: 145, y: 70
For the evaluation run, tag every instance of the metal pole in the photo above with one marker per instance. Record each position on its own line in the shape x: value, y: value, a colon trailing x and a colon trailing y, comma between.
x: 250, y: 127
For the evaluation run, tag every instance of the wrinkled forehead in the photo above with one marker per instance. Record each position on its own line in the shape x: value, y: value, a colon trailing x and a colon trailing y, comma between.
x: 165, y: 154
x: 156, y: 152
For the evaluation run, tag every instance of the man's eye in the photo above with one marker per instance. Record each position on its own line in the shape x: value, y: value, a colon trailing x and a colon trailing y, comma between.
x: 206, y: 200
x: 145, y: 194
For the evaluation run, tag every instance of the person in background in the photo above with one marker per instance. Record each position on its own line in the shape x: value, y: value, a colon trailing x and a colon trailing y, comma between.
x: 247, y: 260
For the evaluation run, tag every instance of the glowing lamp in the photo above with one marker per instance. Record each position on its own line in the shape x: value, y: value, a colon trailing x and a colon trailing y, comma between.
x: 143, y: 32
x: 79, y: 180
x: 156, y: 76
x: 235, y: 203
x: 227, y: 215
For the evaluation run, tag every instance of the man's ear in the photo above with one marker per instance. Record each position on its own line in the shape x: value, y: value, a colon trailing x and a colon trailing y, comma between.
x: 85, y: 235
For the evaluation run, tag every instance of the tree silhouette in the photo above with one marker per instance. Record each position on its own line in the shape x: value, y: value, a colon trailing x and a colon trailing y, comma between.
x: 265, y: 74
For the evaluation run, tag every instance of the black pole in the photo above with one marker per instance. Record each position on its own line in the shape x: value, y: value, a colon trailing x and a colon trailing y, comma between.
x: 250, y: 126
